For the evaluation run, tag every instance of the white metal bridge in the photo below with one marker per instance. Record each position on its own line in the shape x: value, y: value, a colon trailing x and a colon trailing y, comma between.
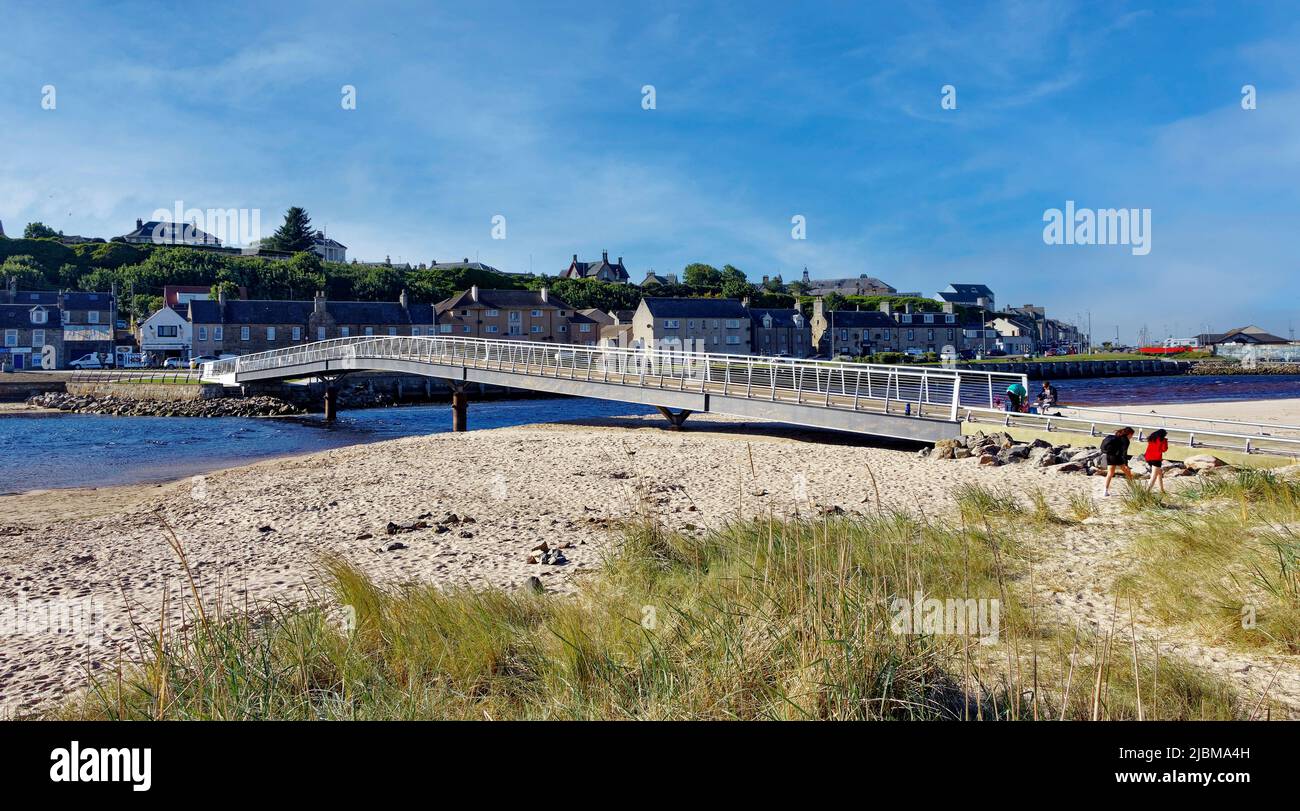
x: 909, y: 402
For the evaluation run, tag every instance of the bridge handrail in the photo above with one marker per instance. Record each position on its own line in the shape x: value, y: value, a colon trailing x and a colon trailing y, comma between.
x: 1190, y: 437
x: 928, y: 386
x: 1165, y: 418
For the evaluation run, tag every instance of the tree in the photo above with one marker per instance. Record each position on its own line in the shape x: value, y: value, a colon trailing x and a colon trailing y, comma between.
x: 24, y: 268
x: 226, y: 287
x: 39, y: 230
x: 295, y: 234
x: 698, y: 274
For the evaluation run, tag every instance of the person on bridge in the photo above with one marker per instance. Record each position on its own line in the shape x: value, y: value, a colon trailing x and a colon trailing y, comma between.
x: 1047, y: 397
x: 1157, y: 444
x: 1016, y: 395
x: 1115, y: 446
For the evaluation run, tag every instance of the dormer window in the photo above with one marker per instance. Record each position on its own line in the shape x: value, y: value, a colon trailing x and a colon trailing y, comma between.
x: 767, y: 321
x: 39, y: 316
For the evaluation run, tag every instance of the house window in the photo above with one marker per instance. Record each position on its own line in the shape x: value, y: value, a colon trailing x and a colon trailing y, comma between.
x: 514, y: 316
x: 297, y: 333
x: 535, y: 328
x: 911, y: 335
x: 270, y: 333
x: 715, y: 323
x: 950, y: 335
x: 537, y: 313
x: 415, y: 331
x: 561, y: 313
x: 243, y: 333
x: 733, y: 323
x: 672, y: 323
x: 844, y: 335
x: 444, y: 328
x: 733, y: 339
x: 929, y: 318
x: 562, y: 328
x: 950, y: 318
x: 392, y: 330
x: 92, y: 317
x: 216, y: 333
x: 203, y: 333
x: 167, y: 330
x: 345, y: 331
x: 465, y: 329
x: 493, y: 313
x: 40, y: 316
x: 690, y: 325
x: 11, y: 337
x: 907, y: 318
x: 584, y: 328
x: 370, y: 331
x: 38, y: 338
x: 492, y: 329
x: 320, y: 333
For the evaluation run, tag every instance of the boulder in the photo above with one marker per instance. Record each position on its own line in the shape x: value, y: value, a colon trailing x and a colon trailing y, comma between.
x: 1071, y: 467
x: 962, y: 453
x: 990, y: 459
x: 1203, y: 461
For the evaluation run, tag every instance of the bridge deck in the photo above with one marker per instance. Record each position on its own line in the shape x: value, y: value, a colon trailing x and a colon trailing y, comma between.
x: 905, y: 402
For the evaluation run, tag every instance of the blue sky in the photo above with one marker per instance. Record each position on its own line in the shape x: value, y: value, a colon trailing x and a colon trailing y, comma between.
x: 763, y: 112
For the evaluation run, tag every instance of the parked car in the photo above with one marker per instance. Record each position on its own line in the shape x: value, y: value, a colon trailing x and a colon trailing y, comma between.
x: 966, y: 354
x: 91, y: 361
x: 173, y: 363
x: 915, y: 352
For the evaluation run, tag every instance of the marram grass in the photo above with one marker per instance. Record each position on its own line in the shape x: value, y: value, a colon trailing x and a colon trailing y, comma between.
x: 762, y: 619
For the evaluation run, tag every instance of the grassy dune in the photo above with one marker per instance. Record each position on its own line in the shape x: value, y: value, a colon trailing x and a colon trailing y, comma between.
x: 765, y: 619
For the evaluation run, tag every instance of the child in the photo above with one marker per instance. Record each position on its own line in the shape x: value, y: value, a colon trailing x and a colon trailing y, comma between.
x: 1157, y: 444
x: 1115, y: 447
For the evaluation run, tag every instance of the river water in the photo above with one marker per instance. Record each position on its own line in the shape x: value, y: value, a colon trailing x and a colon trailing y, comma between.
x: 87, y: 450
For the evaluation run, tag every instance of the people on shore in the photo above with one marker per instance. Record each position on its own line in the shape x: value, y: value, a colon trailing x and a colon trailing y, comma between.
x: 1157, y: 445
x: 1115, y: 446
x: 1016, y: 396
x: 1047, y: 396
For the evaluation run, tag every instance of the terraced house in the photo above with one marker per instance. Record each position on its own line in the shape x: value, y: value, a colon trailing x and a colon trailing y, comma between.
x: 516, y: 315
x: 696, y: 324
x: 237, y: 327
x: 26, y: 329
x: 83, y: 321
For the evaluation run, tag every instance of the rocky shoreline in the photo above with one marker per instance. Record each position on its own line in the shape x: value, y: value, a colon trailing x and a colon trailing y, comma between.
x: 1221, y: 369
x: 130, y: 407
x: 1000, y: 448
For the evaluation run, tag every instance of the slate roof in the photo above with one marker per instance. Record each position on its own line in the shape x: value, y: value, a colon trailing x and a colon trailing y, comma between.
x: 172, y: 233
x: 18, y: 316
x: 781, y: 319
x: 87, y: 301
x: 860, y: 319
x: 591, y: 270
x: 237, y: 311
x: 662, y: 307
x: 503, y: 300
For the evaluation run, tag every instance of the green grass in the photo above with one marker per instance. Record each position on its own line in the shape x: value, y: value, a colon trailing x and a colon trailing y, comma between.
x: 762, y: 619
x: 1229, y: 563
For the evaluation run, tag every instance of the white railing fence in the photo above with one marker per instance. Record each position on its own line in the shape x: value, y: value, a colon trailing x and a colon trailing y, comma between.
x: 913, y: 390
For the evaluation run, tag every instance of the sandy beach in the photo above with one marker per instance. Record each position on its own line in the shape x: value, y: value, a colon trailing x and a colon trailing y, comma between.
x: 254, y: 534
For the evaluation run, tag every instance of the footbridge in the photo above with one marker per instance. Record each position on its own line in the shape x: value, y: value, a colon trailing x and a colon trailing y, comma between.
x: 908, y: 402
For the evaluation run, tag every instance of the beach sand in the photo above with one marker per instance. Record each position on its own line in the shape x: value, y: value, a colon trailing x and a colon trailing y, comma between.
x: 256, y: 533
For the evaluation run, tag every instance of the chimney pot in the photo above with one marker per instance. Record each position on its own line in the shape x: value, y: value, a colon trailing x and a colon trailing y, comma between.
x: 604, y: 255
x: 139, y: 223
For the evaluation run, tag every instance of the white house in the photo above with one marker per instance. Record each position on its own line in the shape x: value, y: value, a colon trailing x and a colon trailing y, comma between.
x: 166, y: 334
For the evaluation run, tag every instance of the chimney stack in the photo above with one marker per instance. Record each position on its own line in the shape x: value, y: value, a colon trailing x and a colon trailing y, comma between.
x: 819, y: 307
x: 575, y: 257
x: 139, y: 224
x: 320, y: 302
x: 473, y: 293
x: 885, y: 308
x: 402, y: 300
x: 545, y: 300
x: 620, y: 260
x: 947, y: 306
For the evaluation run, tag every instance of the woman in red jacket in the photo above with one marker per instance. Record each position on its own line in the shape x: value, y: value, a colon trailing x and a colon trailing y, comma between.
x: 1157, y: 444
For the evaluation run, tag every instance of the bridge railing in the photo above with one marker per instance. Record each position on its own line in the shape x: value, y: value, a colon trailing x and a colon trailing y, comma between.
x: 1098, y: 425
x: 918, y: 390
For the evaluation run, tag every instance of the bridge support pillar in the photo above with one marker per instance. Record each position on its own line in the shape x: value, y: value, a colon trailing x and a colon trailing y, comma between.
x: 675, y: 420
x: 459, y: 409
x: 331, y: 402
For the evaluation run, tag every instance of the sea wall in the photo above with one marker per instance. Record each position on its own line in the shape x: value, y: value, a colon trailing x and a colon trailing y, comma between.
x: 1057, y: 370
x: 170, y: 392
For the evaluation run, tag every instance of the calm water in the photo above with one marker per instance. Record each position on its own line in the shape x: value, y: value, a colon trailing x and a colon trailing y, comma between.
x: 91, y: 450
x: 83, y: 450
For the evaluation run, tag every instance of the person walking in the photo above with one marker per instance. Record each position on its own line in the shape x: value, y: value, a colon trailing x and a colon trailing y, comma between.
x: 1016, y: 395
x: 1157, y: 445
x: 1115, y: 446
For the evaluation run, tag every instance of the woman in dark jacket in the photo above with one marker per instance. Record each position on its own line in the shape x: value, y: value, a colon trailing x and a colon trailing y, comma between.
x: 1115, y: 447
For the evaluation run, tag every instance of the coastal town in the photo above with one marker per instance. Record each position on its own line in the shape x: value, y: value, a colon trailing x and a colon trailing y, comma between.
x: 178, y: 324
